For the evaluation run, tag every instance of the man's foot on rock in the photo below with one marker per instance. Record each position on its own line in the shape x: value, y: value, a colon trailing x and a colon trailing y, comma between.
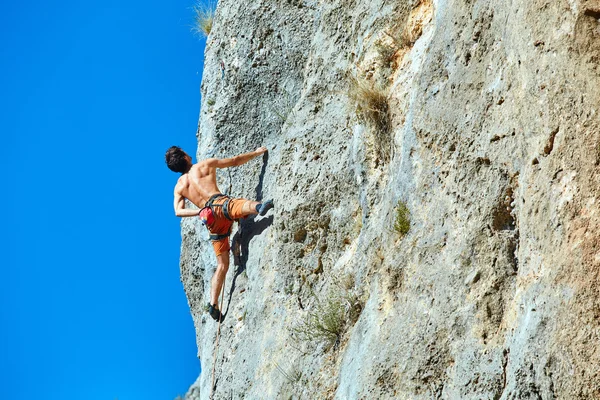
x: 215, y: 313
x: 262, y: 208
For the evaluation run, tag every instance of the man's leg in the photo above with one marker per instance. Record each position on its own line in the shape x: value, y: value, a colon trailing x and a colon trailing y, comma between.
x: 249, y: 208
x: 218, y: 278
x: 241, y: 208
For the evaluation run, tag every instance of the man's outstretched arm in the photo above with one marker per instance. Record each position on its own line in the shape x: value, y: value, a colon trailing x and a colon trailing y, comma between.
x: 180, y: 209
x: 235, y: 161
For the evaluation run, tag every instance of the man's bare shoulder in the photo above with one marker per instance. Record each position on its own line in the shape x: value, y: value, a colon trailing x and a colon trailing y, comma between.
x: 181, y: 184
x: 206, y: 163
x: 203, y: 168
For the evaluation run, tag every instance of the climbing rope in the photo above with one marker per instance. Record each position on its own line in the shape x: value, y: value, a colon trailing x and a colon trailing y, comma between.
x: 212, y: 386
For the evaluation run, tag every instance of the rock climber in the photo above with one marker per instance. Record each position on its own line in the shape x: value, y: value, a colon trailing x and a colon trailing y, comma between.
x: 198, y: 184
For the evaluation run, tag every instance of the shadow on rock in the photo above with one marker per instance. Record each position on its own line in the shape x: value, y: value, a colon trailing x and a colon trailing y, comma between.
x: 248, y: 228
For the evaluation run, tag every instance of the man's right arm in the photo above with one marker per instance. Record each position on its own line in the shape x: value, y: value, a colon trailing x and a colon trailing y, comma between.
x: 179, y: 205
x: 235, y: 161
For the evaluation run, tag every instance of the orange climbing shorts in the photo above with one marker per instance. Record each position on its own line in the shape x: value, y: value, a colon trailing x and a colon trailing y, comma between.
x: 222, y: 225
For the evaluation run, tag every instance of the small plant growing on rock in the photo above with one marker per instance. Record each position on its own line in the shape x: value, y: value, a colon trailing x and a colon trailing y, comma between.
x: 293, y: 375
x: 329, y: 318
x: 324, y: 323
x: 386, y: 52
x: 402, y: 221
x: 284, y: 107
x: 289, y: 289
x: 391, y: 48
x: 372, y: 107
x: 403, y: 40
x: 204, y: 16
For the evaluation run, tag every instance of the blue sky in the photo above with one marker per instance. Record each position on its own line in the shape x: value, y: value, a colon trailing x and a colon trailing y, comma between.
x: 93, y: 93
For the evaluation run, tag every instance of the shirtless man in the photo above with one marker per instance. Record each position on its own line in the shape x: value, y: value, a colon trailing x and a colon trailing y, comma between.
x: 198, y: 184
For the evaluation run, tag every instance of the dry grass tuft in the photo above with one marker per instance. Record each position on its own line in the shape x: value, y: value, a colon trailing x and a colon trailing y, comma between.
x: 387, y: 54
x: 204, y: 16
x: 407, y: 39
x: 293, y: 375
x: 372, y: 107
x: 403, y: 40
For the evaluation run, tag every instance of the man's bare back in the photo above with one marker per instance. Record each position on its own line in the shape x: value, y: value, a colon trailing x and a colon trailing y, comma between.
x: 200, y: 182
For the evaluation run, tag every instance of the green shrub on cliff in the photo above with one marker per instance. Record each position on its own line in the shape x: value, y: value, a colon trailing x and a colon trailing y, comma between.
x: 402, y: 222
x: 329, y: 318
x: 323, y: 324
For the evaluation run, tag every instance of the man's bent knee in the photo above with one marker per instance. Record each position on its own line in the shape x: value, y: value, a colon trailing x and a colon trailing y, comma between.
x: 221, y: 267
x: 249, y: 207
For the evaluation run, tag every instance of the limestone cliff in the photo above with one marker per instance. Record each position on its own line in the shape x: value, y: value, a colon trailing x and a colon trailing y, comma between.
x: 488, y: 133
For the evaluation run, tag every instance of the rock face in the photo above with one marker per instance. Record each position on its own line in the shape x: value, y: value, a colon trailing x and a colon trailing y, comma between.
x: 488, y: 133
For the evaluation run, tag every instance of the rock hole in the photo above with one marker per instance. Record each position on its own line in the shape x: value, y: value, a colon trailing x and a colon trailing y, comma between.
x: 502, y: 218
x: 550, y: 145
x: 483, y: 161
x: 593, y: 12
x: 300, y: 235
x: 467, y: 57
x: 513, y: 248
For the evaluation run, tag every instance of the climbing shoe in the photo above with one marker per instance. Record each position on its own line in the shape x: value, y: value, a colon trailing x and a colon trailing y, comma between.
x: 262, y: 208
x: 214, y: 312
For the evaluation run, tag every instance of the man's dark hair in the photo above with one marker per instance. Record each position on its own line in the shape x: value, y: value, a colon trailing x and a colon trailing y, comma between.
x: 176, y: 160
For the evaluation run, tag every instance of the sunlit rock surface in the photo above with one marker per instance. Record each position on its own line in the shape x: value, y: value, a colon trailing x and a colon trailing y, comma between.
x: 494, y: 147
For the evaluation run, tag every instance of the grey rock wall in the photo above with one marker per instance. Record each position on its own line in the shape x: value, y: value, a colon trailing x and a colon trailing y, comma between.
x: 494, y: 147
